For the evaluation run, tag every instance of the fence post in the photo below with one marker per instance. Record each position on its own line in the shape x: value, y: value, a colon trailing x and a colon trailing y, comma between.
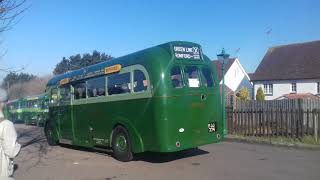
x: 281, y: 122
x: 301, y: 117
x: 260, y: 119
x: 315, y: 125
x: 287, y: 122
x: 308, y: 123
x: 292, y: 121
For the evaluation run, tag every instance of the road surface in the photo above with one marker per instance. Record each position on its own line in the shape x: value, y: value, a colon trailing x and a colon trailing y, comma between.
x: 224, y: 161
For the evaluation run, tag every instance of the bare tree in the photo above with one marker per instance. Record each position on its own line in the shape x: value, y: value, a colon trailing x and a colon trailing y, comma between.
x: 32, y: 87
x: 10, y: 10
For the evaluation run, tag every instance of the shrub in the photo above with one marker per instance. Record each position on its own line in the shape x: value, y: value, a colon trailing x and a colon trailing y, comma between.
x: 260, y: 95
x: 243, y: 94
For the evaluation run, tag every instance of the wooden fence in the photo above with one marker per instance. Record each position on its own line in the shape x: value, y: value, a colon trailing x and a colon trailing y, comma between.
x: 290, y: 118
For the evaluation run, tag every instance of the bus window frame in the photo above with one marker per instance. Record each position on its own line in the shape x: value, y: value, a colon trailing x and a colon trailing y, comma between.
x: 185, y: 77
x: 146, y: 75
x: 131, y: 69
x: 202, y: 77
x: 95, y: 77
x: 181, y: 67
x: 65, y: 102
x: 130, y: 86
x: 73, y: 90
x: 50, y: 97
x: 114, y: 97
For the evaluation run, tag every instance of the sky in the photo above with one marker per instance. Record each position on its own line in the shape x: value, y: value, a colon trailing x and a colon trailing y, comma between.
x: 50, y: 30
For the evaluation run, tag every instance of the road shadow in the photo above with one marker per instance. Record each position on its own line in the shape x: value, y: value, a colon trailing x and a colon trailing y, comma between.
x: 105, y: 151
x: 153, y: 157
x: 34, y: 146
x: 33, y: 136
x: 30, y: 136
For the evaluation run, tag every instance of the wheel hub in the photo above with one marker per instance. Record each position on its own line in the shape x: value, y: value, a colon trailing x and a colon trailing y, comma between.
x: 121, y: 143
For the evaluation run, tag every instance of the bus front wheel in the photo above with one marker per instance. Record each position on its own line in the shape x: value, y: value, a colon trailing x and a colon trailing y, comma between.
x: 121, y: 144
x: 49, y: 135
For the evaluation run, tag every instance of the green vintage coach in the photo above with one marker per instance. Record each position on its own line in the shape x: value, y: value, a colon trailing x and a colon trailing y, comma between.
x: 161, y: 99
x: 34, y: 109
x: 31, y: 110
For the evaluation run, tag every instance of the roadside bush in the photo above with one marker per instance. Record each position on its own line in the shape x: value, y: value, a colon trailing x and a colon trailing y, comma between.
x: 243, y: 94
x: 260, y: 95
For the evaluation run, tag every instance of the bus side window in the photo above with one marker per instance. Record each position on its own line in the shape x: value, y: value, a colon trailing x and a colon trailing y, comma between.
x: 192, y: 75
x: 65, y: 94
x: 176, y: 77
x: 80, y: 90
x: 96, y: 87
x: 119, y: 83
x: 207, y: 77
x: 140, y: 81
x: 54, y: 96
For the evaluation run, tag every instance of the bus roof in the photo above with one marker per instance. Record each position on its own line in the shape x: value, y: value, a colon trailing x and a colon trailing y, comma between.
x: 13, y: 101
x: 35, y: 97
x: 176, y: 49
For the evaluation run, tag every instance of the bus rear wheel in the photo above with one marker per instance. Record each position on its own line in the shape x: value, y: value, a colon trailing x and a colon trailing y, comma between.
x: 49, y: 135
x: 121, y: 144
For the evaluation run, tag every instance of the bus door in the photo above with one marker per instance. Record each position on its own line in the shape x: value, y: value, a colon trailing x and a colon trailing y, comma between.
x: 65, y: 118
x: 81, y: 114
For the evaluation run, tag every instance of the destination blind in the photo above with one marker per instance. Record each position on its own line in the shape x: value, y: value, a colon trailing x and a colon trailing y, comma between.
x: 182, y: 52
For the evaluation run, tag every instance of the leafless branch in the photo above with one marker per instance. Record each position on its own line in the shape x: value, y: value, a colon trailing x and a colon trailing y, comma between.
x: 9, y: 11
x: 13, y: 70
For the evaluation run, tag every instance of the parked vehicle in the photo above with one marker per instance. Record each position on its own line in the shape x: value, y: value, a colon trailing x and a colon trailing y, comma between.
x: 161, y: 99
x: 32, y: 110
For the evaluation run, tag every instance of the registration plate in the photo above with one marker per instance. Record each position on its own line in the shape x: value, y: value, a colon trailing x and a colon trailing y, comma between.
x: 212, y: 127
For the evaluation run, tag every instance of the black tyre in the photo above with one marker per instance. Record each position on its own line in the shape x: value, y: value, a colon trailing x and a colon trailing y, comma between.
x: 121, y: 144
x: 49, y: 135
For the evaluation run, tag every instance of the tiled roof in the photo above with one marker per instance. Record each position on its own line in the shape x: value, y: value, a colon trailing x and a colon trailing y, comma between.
x: 250, y: 75
x: 290, y: 62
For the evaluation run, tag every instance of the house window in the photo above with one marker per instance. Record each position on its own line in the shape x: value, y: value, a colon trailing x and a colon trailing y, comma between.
x: 268, y: 89
x: 294, y: 87
x: 318, y: 87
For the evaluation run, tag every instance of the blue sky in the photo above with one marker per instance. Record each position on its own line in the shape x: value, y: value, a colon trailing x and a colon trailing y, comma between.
x: 50, y: 30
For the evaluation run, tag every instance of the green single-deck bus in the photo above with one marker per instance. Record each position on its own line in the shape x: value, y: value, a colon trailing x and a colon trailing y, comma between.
x: 161, y: 99
x: 14, y: 111
x: 31, y: 110
x: 34, y: 109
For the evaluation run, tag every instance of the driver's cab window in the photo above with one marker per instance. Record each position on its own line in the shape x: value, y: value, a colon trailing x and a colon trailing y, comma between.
x: 192, y: 76
x: 65, y: 94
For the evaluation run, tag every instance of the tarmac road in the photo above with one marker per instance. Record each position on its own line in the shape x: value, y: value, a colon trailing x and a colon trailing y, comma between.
x: 224, y: 161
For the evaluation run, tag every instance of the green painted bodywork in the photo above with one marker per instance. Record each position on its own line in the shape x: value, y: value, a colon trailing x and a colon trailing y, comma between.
x: 32, y: 110
x: 153, y: 118
x: 14, y: 111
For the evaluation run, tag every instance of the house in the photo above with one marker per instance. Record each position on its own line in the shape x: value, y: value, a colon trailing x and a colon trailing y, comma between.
x: 235, y: 77
x: 289, y: 69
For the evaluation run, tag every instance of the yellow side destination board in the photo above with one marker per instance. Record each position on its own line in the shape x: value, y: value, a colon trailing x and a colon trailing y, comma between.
x: 112, y: 69
x: 32, y: 98
x: 64, y: 81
